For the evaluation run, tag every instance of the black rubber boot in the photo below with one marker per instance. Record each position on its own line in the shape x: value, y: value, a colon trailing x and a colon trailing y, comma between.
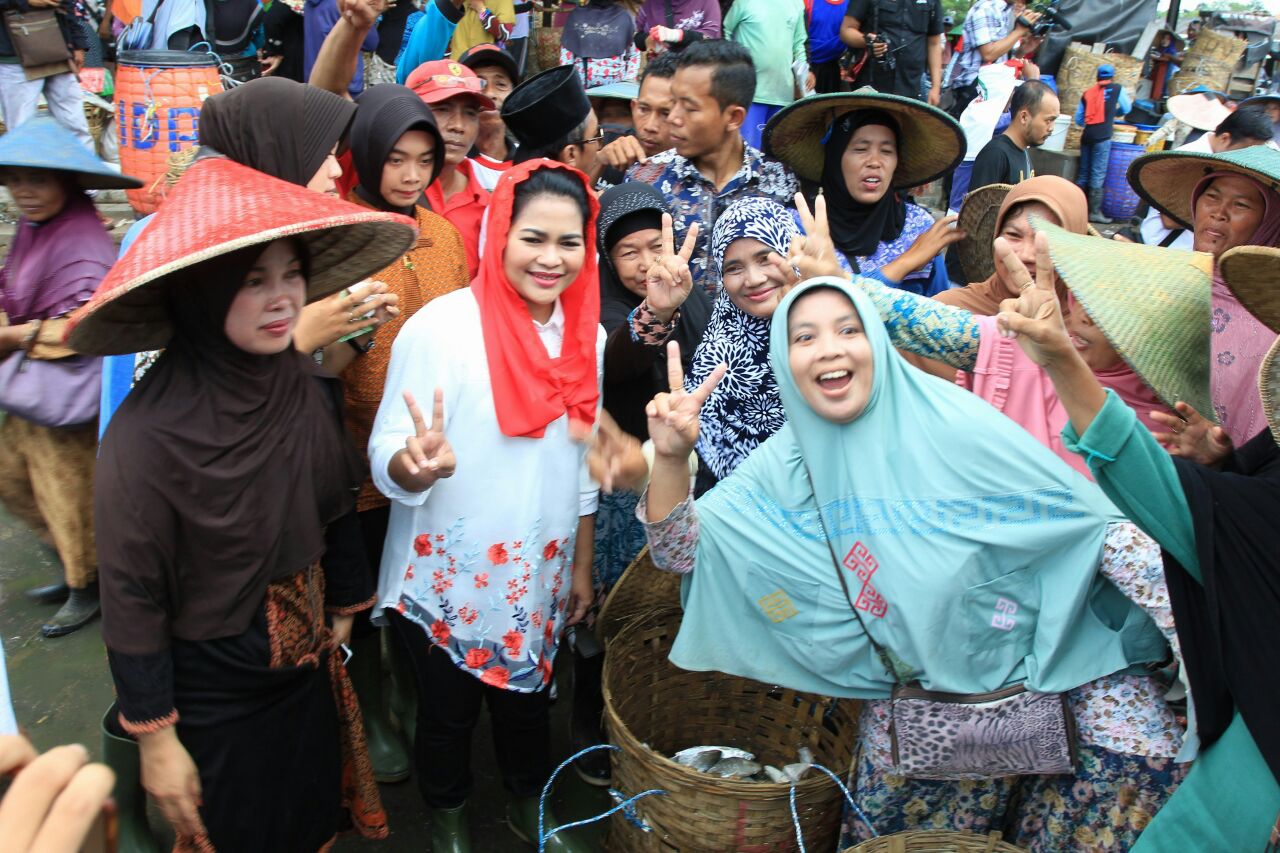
x: 81, y: 608
x: 449, y: 830
x: 522, y: 817
x: 54, y: 593
x: 120, y: 753
x: 404, y: 687
x: 390, y: 759
x: 1095, y: 206
x: 585, y: 724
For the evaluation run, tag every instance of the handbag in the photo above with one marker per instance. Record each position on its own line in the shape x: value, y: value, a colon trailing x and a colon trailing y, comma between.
x: 955, y: 736
x: 59, y: 393
x: 37, y: 37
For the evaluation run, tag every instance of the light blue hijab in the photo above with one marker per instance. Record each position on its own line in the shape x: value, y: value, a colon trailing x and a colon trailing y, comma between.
x: 971, y: 551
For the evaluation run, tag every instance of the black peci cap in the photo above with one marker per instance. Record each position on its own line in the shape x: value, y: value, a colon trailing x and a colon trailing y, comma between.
x: 544, y: 108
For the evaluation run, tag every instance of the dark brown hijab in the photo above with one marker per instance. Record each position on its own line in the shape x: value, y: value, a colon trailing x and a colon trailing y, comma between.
x: 277, y: 126
x: 216, y: 476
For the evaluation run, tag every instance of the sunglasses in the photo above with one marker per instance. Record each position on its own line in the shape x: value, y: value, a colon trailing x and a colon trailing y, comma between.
x: 599, y: 137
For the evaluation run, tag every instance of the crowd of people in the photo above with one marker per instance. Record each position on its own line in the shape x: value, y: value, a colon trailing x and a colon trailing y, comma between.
x: 420, y: 372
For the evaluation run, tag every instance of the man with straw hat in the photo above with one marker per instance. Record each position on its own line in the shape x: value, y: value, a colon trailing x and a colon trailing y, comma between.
x: 1228, y: 200
x: 218, y: 482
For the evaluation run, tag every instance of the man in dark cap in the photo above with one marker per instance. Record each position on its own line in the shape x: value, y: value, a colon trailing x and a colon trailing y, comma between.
x: 541, y: 108
x: 494, y: 146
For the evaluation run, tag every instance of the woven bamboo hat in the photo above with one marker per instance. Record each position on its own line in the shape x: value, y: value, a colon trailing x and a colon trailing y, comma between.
x: 218, y: 207
x: 1152, y: 304
x: 933, y: 142
x: 42, y: 143
x: 978, y: 219
x: 1166, y: 179
x: 1253, y: 274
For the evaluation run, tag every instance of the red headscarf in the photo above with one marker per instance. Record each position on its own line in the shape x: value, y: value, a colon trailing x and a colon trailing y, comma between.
x: 531, y: 389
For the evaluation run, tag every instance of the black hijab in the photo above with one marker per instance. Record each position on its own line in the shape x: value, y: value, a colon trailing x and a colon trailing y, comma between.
x: 216, y: 476
x: 387, y: 112
x: 277, y: 126
x: 631, y: 382
x: 857, y: 228
x: 1227, y: 622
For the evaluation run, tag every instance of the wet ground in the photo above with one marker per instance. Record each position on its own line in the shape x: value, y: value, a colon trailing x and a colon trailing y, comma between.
x: 61, y: 689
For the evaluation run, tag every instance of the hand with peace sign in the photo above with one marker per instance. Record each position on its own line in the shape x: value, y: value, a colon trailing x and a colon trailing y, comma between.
x: 812, y: 254
x: 673, y: 429
x: 427, y: 456
x: 669, y: 282
x: 1035, y: 317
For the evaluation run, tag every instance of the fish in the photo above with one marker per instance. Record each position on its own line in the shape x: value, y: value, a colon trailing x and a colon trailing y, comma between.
x: 686, y: 756
x: 795, y: 772
x: 806, y: 755
x: 735, y: 768
x: 773, y: 774
x: 704, y: 761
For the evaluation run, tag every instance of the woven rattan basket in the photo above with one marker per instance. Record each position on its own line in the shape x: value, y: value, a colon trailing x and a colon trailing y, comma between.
x: 653, y: 709
x: 1206, y: 71
x: 936, y: 841
x: 642, y: 588
x: 1079, y: 71
x: 1218, y: 45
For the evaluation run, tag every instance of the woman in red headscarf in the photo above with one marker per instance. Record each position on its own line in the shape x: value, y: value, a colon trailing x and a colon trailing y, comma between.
x: 483, y: 568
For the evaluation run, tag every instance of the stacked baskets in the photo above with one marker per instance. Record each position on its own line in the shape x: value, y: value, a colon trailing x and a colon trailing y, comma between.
x: 1209, y: 62
x: 926, y: 841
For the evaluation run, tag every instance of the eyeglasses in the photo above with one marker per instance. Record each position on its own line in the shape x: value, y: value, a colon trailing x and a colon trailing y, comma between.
x: 599, y: 137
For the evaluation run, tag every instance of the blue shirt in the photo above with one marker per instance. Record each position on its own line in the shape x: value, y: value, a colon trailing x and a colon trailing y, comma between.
x: 692, y: 197
x: 117, y: 370
x: 825, y: 19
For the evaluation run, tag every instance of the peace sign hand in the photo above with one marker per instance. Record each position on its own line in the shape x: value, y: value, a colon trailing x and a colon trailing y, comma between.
x: 812, y: 254
x: 1035, y: 317
x: 669, y: 281
x: 673, y: 415
x: 427, y: 456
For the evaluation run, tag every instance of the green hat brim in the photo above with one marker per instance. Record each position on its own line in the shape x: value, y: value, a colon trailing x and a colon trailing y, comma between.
x: 1129, y: 290
x: 1166, y: 179
x: 933, y: 142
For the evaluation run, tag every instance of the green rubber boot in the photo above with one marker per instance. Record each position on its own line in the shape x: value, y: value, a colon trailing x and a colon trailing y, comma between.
x: 121, y: 755
x: 522, y: 817
x: 449, y: 830
x: 386, y: 751
x: 404, y: 688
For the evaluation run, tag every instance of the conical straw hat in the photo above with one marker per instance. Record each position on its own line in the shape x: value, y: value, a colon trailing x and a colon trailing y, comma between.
x: 42, y: 143
x: 1167, y: 178
x: 1253, y: 274
x: 218, y: 207
x: 978, y: 220
x: 1152, y: 304
x: 932, y: 142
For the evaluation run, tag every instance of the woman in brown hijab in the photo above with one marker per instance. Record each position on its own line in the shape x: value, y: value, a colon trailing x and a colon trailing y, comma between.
x: 224, y: 605
x: 1048, y: 197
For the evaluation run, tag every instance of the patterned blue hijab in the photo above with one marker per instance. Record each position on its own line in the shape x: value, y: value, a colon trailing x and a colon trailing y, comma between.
x: 745, y: 408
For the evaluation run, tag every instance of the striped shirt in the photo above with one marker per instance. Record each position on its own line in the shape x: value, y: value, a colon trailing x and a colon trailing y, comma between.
x: 987, y: 21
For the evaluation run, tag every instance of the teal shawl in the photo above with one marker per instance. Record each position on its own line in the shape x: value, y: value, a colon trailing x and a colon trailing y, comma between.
x: 970, y: 550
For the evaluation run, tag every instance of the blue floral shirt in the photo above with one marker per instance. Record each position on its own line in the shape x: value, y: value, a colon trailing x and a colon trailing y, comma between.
x: 694, y: 198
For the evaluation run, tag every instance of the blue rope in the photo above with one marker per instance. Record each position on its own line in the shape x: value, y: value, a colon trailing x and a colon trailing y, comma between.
x: 795, y: 815
x: 627, y: 807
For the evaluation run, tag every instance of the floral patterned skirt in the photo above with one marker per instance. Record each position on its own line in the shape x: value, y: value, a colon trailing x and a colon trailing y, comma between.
x: 619, y: 538
x: 1102, y: 807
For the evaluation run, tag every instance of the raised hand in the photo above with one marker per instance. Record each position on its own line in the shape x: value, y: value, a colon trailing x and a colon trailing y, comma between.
x: 615, y: 459
x: 328, y: 320
x: 1193, y: 436
x: 362, y: 14
x: 1035, y: 317
x: 673, y: 415
x: 622, y: 153
x: 669, y: 281
x: 811, y: 254
x: 427, y: 456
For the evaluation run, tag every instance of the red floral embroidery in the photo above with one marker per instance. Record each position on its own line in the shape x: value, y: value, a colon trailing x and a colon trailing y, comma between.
x: 497, y: 676
x: 408, y: 573
x: 477, y: 658
x: 440, y: 583
x: 422, y: 544
x: 544, y: 666
x: 550, y: 631
x: 513, y: 640
x: 467, y: 614
x: 497, y: 554
x: 440, y: 632
x: 482, y: 580
x: 400, y: 607
x: 439, y: 537
x: 549, y: 552
x: 536, y: 618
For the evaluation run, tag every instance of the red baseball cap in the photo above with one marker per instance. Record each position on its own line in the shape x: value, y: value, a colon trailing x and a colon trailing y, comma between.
x: 443, y: 79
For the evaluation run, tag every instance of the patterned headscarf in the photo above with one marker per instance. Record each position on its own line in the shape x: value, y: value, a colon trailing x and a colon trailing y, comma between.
x: 745, y: 408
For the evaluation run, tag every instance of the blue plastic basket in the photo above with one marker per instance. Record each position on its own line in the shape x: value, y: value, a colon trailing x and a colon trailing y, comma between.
x: 1119, y: 201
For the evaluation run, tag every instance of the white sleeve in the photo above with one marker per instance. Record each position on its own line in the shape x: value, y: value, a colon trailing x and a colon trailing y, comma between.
x: 419, y: 364
x: 588, y: 489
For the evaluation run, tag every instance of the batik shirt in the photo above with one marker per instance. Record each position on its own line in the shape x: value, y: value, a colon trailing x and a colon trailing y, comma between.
x: 694, y: 198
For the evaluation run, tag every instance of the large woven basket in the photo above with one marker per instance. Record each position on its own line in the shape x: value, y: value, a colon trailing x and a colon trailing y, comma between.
x: 1207, y: 71
x: 1218, y: 45
x: 653, y: 709
x: 642, y: 589
x: 936, y: 841
x: 1079, y: 71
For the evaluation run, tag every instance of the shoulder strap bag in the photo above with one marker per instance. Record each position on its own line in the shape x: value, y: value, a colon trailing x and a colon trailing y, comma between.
x: 37, y: 37
x: 954, y: 736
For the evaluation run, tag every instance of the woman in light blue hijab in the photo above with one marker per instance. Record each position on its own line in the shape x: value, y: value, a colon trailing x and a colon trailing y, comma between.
x: 970, y: 552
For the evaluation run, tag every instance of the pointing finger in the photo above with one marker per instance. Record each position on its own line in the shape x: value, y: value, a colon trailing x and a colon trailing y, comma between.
x: 668, y: 235
x: 820, y: 225
x: 703, y: 391
x: 806, y: 218
x: 1044, y: 264
x: 437, y: 411
x: 419, y: 426
x: 675, y: 369
x: 690, y: 242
